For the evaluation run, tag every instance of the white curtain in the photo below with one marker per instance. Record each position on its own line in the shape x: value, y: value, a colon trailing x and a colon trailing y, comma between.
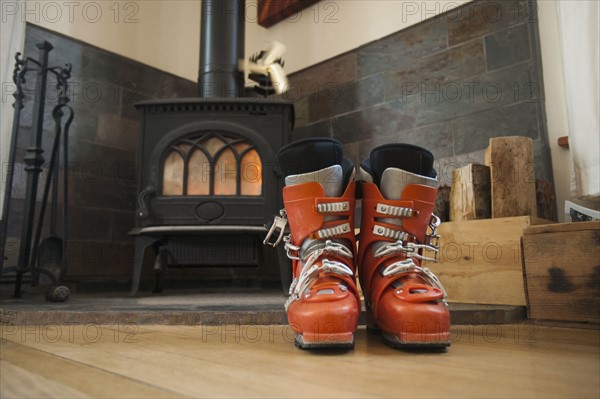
x: 580, y: 43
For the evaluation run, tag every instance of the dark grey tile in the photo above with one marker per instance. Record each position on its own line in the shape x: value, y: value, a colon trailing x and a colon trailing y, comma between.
x: 543, y: 162
x: 87, y: 110
x: 479, y: 18
x: 436, y: 138
x: 161, y: 85
x: 472, y: 132
x: 454, y: 64
x: 21, y: 176
x: 15, y: 217
x: 434, y: 103
x: 320, y: 129
x: 25, y: 137
x: 102, y: 65
x: 402, y: 48
x: 87, y: 224
x: 94, y: 95
x: 439, y: 139
x: 381, y: 120
x: 508, y: 47
x: 88, y: 259
x: 120, y: 71
x: 130, y: 98
x: 108, y: 67
x: 126, y: 173
x: 347, y: 97
x: 98, y: 161
x: 335, y: 71
x: 119, y: 132
x: 351, y: 151
x: 15, y: 227
x: 103, y: 193
x: 301, y: 112
x: 11, y: 250
x: 184, y: 88
x: 121, y: 224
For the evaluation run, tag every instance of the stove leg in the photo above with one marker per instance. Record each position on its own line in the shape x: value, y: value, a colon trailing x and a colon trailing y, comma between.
x: 160, y: 269
x: 141, y: 244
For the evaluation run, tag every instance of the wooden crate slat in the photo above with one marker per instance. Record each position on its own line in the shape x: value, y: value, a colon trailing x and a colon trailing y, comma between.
x: 481, y: 262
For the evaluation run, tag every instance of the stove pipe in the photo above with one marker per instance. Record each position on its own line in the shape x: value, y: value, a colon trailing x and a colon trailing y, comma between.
x: 221, y: 47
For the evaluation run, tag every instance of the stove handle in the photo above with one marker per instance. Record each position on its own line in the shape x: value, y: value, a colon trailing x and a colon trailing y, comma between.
x: 142, y: 212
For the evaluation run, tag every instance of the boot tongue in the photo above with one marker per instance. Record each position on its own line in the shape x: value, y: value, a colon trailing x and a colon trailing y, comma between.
x: 394, y: 180
x: 331, y: 178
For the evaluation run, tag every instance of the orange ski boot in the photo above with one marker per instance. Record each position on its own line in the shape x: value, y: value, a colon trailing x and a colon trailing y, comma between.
x: 403, y: 299
x: 319, y: 199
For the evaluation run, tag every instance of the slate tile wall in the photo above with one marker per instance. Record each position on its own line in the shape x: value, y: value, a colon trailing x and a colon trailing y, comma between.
x: 449, y: 83
x: 103, y: 149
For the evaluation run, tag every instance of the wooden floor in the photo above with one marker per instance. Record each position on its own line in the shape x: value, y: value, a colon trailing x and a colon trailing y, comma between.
x: 505, y: 361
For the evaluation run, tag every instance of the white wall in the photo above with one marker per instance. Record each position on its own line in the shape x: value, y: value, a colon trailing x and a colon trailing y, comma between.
x: 163, y: 33
x: 556, y: 105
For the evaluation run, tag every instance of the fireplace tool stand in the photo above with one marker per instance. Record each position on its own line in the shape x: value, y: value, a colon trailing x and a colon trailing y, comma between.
x: 50, y: 256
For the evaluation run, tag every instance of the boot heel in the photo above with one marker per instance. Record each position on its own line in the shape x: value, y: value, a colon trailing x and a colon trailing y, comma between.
x: 439, y: 340
x: 325, y: 341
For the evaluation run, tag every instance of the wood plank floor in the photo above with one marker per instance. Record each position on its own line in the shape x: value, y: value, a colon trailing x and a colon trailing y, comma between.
x: 494, y: 361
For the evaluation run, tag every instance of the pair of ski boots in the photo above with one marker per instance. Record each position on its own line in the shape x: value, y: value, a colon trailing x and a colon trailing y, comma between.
x: 403, y: 300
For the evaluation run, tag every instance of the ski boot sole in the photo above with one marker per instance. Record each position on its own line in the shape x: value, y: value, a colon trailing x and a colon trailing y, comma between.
x: 327, y: 341
x: 430, y: 341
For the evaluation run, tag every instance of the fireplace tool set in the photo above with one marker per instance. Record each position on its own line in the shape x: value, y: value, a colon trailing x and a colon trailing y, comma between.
x: 47, y: 257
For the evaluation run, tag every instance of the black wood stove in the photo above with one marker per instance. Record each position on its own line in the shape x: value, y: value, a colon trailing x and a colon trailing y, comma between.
x: 208, y: 181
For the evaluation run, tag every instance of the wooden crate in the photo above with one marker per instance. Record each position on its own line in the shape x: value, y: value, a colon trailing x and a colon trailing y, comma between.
x: 480, y: 260
x: 562, y: 266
